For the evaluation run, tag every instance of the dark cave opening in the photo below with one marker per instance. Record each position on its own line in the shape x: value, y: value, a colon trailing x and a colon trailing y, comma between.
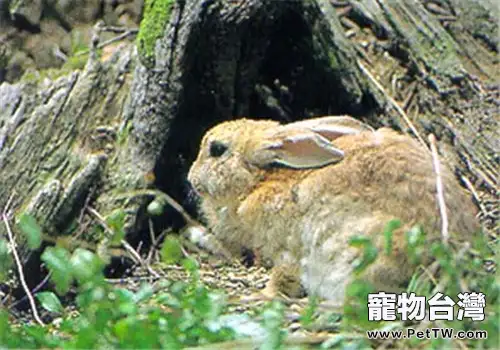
x: 299, y: 76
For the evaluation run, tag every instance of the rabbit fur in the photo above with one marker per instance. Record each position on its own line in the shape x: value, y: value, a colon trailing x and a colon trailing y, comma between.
x: 294, y: 194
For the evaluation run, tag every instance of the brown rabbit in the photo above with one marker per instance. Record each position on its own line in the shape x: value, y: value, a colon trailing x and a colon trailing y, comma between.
x: 296, y: 193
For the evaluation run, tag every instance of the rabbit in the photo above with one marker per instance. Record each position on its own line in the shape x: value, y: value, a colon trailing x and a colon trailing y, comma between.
x: 295, y: 194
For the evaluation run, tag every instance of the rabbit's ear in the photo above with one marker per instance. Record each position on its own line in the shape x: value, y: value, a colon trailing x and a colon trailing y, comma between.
x: 297, y: 148
x: 331, y: 127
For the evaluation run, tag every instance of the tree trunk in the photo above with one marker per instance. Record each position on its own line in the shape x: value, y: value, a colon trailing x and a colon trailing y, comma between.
x: 99, y: 135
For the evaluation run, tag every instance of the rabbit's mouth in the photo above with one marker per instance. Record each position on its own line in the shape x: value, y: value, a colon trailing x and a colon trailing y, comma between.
x: 195, y: 190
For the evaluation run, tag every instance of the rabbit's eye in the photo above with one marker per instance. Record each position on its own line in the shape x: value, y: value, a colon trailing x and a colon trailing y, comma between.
x: 217, y: 149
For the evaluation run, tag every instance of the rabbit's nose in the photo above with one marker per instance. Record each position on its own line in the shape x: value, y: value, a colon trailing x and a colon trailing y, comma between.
x: 192, y: 180
x: 195, y: 187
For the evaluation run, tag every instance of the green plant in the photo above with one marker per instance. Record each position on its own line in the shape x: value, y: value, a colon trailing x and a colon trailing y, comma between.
x: 460, y: 268
x: 175, y: 314
x: 170, y: 315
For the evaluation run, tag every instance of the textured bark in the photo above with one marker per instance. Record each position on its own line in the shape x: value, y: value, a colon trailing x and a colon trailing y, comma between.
x: 56, y: 138
x: 450, y: 51
x: 106, y: 129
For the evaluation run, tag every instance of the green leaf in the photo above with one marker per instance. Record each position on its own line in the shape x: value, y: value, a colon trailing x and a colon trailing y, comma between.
x: 241, y: 325
x: 85, y: 265
x: 156, y: 208
x: 116, y: 222
x: 388, y: 233
x: 4, y: 326
x: 272, y: 320
x: 5, y: 259
x: 415, y: 239
x: 370, y: 253
x: 419, y: 284
x: 56, y: 259
x: 190, y: 264
x: 334, y: 342
x: 144, y: 293
x: 359, y: 289
x: 50, y: 302
x: 171, y: 252
x: 121, y: 329
x: 39, y: 333
x: 356, y: 306
x: 126, y: 301
x: 31, y: 229
x: 306, y: 317
x: 415, y: 236
x: 124, y: 295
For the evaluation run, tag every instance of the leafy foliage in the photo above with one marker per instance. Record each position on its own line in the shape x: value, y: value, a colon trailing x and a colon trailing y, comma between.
x: 50, y: 302
x: 5, y: 259
x: 460, y: 269
x: 174, y: 315
x: 32, y: 230
x: 116, y: 222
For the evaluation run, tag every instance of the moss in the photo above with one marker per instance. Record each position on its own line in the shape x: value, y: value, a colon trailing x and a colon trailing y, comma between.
x: 124, y: 133
x: 37, y: 76
x: 14, y: 6
x: 78, y: 44
x: 73, y: 63
x: 4, y: 56
x: 30, y: 76
x: 76, y: 62
x: 334, y: 62
x: 156, y: 16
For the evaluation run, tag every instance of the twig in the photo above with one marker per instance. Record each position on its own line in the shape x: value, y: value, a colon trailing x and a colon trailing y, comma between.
x: 360, y: 50
x: 116, y: 38
x: 471, y: 188
x: 36, y: 289
x: 153, y: 242
x: 108, y: 42
x: 124, y: 243
x: 94, y: 41
x: 119, y: 29
x: 86, y: 204
x: 447, y: 18
x: 488, y: 179
x: 439, y: 189
x: 429, y: 271
x: 160, y: 237
x: 410, y: 95
x: 18, y: 263
x: 393, y: 103
x: 170, y: 201
x: 337, y: 3
x: 131, y: 279
x: 139, y: 247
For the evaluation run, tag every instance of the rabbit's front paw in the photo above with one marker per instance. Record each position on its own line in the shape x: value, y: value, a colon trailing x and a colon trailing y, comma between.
x: 208, y: 242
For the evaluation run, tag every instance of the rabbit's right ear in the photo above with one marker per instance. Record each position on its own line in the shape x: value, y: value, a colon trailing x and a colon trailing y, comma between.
x: 331, y: 127
x: 298, y: 148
